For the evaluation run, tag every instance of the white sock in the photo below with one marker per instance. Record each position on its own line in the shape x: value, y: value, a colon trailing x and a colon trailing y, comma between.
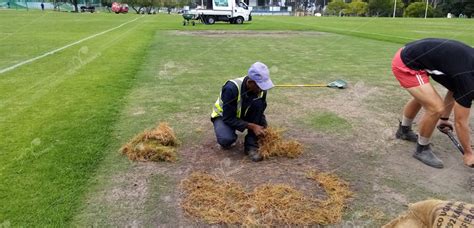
x: 406, y: 121
x: 423, y: 140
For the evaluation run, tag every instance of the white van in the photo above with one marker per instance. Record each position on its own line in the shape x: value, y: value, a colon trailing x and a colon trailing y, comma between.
x: 223, y: 10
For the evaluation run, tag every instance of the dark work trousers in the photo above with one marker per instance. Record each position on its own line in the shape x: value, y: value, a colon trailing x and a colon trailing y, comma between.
x: 226, y: 135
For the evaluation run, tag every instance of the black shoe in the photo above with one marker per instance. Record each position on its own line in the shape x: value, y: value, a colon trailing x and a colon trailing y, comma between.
x: 406, y: 133
x: 226, y: 147
x: 426, y: 155
x: 255, y: 155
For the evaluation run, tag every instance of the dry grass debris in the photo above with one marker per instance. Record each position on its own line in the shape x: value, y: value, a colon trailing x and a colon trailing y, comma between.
x: 221, y: 201
x: 337, y: 192
x: 214, y: 200
x: 272, y: 144
x: 158, y: 144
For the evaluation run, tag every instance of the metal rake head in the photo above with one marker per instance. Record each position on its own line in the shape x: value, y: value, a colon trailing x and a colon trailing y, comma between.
x: 341, y: 84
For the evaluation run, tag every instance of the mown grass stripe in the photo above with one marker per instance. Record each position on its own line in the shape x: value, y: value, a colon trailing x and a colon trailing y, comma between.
x: 64, y: 47
x: 55, y: 141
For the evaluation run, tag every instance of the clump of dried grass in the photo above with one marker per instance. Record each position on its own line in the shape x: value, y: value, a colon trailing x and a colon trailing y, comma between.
x: 337, y: 192
x: 213, y: 199
x: 278, y: 204
x: 217, y: 200
x: 158, y: 144
x: 272, y: 144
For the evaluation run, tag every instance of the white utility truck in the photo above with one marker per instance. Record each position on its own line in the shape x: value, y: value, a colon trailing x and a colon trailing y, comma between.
x: 222, y: 10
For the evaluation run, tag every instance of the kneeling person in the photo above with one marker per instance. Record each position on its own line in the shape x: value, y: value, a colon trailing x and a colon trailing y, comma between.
x: 241, y: 105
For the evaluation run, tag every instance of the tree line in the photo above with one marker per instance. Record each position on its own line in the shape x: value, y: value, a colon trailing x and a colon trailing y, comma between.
x: 365, y: 8
x: 137, y: 5
x: 405, y: 8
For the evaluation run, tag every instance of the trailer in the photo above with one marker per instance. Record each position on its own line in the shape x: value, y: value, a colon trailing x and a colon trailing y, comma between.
x: 232, y: 11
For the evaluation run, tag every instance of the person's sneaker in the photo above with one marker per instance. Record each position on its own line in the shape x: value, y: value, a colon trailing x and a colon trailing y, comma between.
x: 254, y: 155
x: 406, y: 133
x: 426, y: 155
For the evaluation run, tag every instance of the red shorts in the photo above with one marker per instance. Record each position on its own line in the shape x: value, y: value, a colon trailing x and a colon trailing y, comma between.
x: 407, y: 77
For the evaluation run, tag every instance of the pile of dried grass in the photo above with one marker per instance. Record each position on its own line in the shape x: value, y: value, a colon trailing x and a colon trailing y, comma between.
x: 158, y: 144
x: 214, y: 200
x: 337, y: 192
x: 272, y: 144
x: 218, y: 200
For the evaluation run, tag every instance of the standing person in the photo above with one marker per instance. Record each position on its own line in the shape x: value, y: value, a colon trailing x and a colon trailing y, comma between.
x: 241, y: 105
x: 450, y: 63
x: 42, y: 6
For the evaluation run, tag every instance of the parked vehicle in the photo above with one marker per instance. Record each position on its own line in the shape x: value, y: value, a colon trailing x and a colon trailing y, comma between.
x: 146, y: 10
x: 87, y: 9
x: 119, y: 8
x: 223, y: 10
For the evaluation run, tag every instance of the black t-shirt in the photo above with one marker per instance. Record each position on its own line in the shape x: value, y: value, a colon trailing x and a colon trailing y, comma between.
x: 449, y: 62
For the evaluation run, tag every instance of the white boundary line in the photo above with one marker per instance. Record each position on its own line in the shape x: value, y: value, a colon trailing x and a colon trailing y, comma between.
x: 62, y: 48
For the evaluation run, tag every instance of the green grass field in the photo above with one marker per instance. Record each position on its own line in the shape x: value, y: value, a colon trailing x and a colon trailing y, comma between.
x: 63, y: 117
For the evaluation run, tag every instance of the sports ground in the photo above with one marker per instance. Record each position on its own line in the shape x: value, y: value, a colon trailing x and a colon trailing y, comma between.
x: 75, y: 87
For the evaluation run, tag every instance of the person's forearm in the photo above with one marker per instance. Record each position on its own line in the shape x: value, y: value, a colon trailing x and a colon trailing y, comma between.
x: 461, y: 117
x: 250, y: 126
x: 448, y: 105
x: 462, y: 131
x: 235, y: 122
x: 256, y: 129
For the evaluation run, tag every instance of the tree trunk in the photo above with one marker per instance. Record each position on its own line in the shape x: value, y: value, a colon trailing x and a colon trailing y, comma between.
x: 74, y: 3
x: 136, y: 10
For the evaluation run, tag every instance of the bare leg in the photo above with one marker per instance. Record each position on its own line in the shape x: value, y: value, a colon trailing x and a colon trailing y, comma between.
x: 432, y: 102
x: 427, y: 96
x: 411, y: 109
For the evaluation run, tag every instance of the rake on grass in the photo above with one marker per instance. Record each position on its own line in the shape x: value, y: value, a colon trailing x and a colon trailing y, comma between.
x: 339, y: 84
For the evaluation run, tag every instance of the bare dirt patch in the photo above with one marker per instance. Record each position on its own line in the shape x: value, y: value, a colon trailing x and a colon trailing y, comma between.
x: 131, y: 190
x: 379, y: 168
x: 246, y: 33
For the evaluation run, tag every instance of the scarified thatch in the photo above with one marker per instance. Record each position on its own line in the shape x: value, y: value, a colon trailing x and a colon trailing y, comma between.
x: 217, y: 200
x: 158, y: 144
x: 213, y: 199
x: 337, y: 193
x: 272, y: 144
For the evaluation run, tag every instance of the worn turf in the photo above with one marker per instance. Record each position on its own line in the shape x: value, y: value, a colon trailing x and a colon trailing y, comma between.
x: 61, y: 115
